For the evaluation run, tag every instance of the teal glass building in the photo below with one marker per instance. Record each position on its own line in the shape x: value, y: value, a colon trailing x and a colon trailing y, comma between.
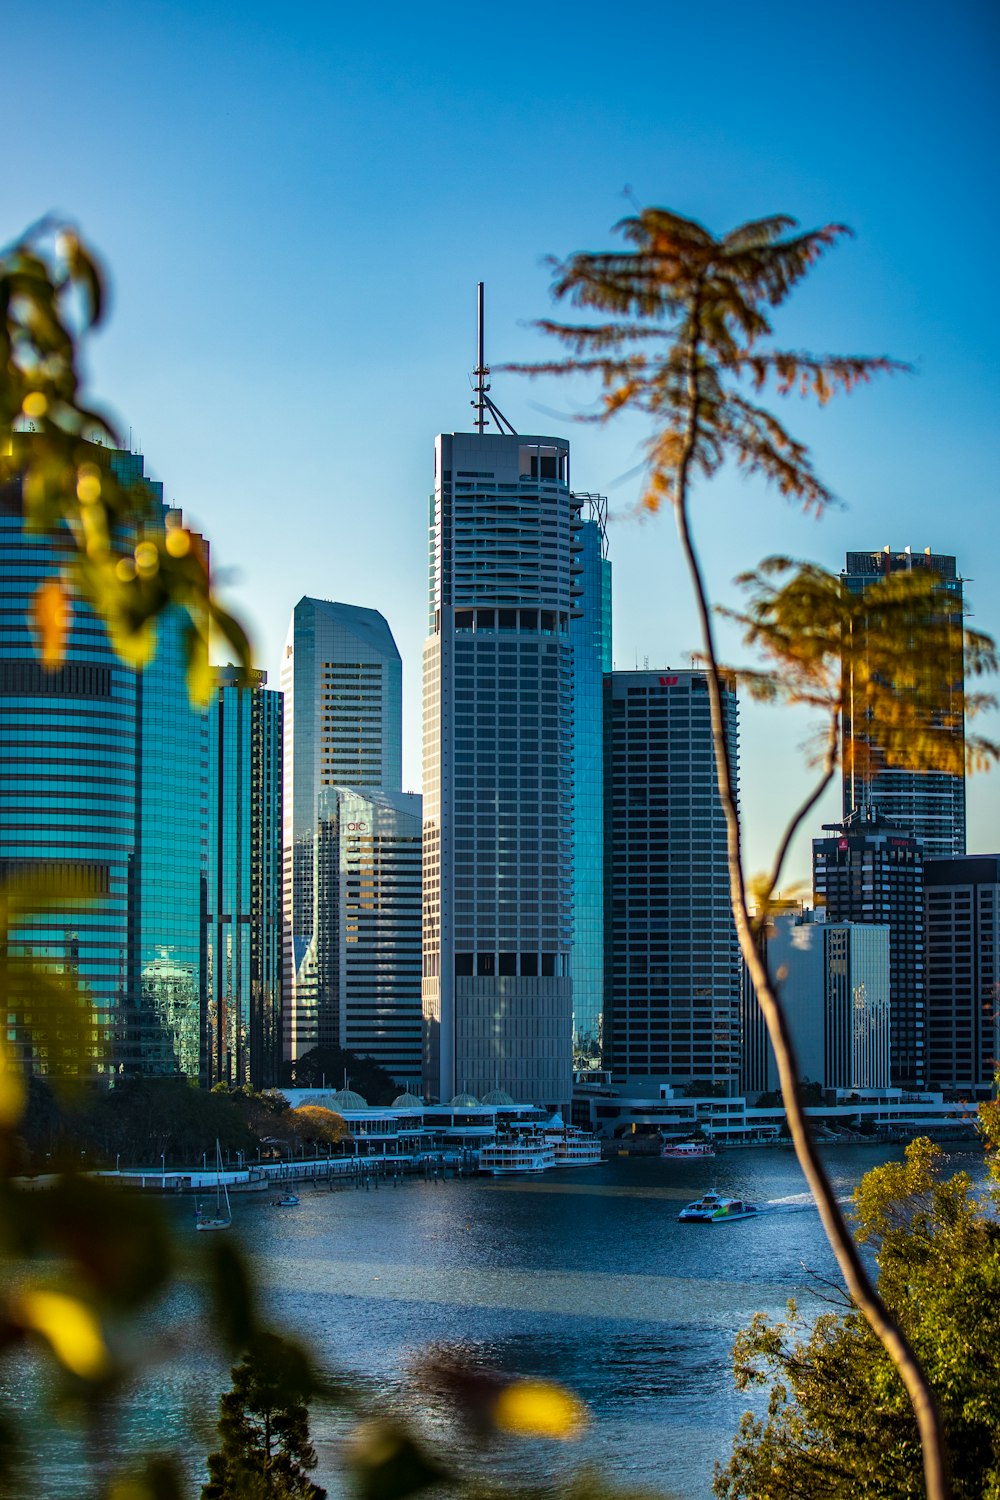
x: 243, y: 887
x: 590, y: 637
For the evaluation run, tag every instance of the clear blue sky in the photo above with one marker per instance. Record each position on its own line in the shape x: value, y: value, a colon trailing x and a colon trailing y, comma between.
x: 296, y: 203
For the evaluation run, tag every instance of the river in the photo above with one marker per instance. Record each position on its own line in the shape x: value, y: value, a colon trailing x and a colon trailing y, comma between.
x: 583, y: 1276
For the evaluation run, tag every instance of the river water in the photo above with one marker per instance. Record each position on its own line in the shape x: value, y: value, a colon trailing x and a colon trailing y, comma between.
x: 582, y: 1276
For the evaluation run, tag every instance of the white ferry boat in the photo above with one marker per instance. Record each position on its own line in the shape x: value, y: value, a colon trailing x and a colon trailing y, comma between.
x: 514, y: 1155
x: 710, y: 1208
x: 573, y: 1147
x: 688, y: 1150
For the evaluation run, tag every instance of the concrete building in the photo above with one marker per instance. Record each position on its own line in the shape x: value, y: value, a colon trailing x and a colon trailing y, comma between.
x: 342, y: 682
x: 962, y: 923
x: 871, y: 870
x: 368, y: 899
x: 928, y: 804
x: 833, y: 980
x: 498, y: 767
x: 672, y: 973
x: 243, y: 889
x: 590, y: 636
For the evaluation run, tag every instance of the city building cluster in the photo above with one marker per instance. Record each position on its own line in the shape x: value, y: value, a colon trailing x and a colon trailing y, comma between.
x: 549, y: 922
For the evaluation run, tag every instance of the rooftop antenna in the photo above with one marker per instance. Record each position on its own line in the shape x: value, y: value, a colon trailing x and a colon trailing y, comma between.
x: 485, y: 408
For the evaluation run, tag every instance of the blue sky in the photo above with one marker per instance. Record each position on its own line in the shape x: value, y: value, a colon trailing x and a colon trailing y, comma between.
x: 295, y: 205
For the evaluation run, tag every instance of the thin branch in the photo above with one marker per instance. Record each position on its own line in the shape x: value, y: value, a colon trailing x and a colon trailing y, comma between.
x: 799, y: 816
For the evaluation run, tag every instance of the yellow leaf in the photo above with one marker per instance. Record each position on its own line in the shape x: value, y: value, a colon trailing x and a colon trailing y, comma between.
x: 70, y: 1327
x: 12, y: 1091
x: 536, y: 1408
x: 50, y: 610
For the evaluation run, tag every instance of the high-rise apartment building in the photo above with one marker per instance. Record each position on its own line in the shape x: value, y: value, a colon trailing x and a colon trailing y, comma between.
x: 672, y: 974
x: 243, y: 887
x: 962, y: 923
x: 590, y: 636
x: 834, y: 987
x: 368, y: 874
x: 871, y: 870
x: 498, y: 768
x: 928, y: 804
x: 102, y: 774
x: 342, y: 681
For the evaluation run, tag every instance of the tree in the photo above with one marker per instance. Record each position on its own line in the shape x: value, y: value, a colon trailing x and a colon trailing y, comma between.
x: 364, y: 1074
x: 319, y: 1127
x: 683, y: 331
x: 264, y: 1428
x: 838, y: 1422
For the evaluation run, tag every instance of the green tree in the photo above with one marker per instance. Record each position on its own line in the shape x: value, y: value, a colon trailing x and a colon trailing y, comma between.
x: 839, y: 1425
x: 364, y: 1075
x: 264, y: 1429
x: 683, y: 334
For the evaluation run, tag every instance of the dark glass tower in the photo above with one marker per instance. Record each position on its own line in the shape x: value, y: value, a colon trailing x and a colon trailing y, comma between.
x: 671, y: 966
x: 928, y: 804
x: 243, y: 894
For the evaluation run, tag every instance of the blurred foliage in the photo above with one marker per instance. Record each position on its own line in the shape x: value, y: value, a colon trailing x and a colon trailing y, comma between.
x: 839, y: 1423
x: 56, y: 463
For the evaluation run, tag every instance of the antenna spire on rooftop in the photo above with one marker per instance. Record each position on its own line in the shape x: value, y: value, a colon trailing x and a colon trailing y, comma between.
x: 484, y: 407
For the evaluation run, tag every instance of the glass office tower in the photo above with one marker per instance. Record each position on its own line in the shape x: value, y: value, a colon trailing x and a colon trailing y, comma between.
x: 342, y: 682
x: 243, y: 896
x: 928, y: 804
x: 590, y: 635
x: 67, y: 790
x: 672, y: 972
x: 498, y: 769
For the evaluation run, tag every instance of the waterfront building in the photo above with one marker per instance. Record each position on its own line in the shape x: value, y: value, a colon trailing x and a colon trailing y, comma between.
x: 928, y: 804
x: 590, y: 637
x: 498, y: 767
x: 833, y: 981
x: 243, y: 888
x: 342, y: 682
x: 368, y: 935
x: 871, y: 870
x: 672, y: 971
x: 962, y: 924
x: 102, y: 774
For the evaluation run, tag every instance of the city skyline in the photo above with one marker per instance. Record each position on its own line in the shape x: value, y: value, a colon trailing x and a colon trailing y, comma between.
x: 257, y: 391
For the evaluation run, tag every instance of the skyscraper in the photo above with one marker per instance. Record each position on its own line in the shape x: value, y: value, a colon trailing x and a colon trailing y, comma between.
x: 342, y: 680
x: 102, y: 773
x: 671, y: 967
x: 962, y: 917
x: 590, y: 636
x: 368, y: 870
x: 498, y: 766
x: 243, y: 889
x: 871, y: 870
x: 928, y: 804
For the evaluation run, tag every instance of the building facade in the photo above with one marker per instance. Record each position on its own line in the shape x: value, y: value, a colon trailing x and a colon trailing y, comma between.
x: 342, y: 682
x: 672, y: 972
x: 871, y: 870
x: 498, y: 769
x: 928, y: 804
x: 102, y: 799
x: 369, y: 872
x: 962, y: 924
x: 243, y: 887
x: 590, y: 636
x: 834, y: 986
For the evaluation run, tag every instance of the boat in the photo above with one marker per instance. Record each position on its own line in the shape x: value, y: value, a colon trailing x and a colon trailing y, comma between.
x: 514, y: 1155
x: 289, y: 1200
x: 573, y: 1147
x: 688, y: 1150
x: 222, y: 1218
x: 712, y: 1208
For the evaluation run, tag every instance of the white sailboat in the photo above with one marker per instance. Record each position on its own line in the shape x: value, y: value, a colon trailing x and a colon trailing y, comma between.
x: 222, y: 1218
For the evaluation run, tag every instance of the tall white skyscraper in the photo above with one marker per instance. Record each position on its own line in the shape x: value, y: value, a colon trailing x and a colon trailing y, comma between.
x: 498, y: 763
x: 342, y: 680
